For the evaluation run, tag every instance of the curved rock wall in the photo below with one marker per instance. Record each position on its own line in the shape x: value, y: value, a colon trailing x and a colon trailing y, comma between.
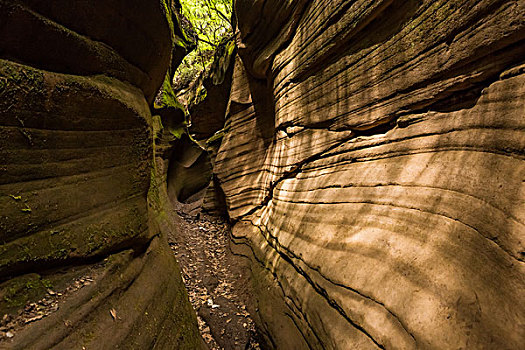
x: 374, y: 163
x: 76, y: 81
x: 188, y: 176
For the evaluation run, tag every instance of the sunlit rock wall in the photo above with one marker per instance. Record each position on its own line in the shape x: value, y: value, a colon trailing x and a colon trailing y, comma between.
x: 374, y: 163
x: 76, y: 82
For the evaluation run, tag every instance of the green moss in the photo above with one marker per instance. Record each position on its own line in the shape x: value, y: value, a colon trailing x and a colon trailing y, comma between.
x: 47, y: 283
x: 178, y: 132
x: 18, y: 291
x: 168, y: 14
x: 185, y: 41
x: 93, y: 240
x: 38, y: 284
x: 22, y: 87
x: 181, y: 43
x: 157, y: 127
x: 169, y: 99
x: 216, y: 137
x: 23, y: 77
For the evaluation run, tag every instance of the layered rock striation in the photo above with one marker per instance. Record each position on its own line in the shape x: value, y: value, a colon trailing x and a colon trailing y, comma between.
x: 76, y: 159
x: 370, y: 153
x: 373, y: 160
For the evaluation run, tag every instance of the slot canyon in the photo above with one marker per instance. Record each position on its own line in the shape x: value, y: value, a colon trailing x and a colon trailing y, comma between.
x: 353, y: 177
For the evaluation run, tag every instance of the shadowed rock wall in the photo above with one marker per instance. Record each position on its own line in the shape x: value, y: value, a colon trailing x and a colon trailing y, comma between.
x: 76, y: 159
x: 374, y: 162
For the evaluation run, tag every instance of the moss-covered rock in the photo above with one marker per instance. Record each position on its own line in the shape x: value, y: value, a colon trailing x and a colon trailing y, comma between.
x: 76, y: 167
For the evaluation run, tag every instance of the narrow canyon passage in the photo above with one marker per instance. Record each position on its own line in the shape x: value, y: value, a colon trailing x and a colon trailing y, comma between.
x: 369, y: 157
x: 217, y: 282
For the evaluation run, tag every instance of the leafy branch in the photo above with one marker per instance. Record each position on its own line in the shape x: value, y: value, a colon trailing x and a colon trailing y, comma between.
x: 211, y: 20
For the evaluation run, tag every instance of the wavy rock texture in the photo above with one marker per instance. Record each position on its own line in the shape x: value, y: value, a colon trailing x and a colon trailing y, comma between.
x: 188, y: 175
x: 374, y: 162
x: 76, y: 80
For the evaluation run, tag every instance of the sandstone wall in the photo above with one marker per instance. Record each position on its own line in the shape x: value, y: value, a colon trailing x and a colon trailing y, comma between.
x: 76, y: 158
x: 373, y: 162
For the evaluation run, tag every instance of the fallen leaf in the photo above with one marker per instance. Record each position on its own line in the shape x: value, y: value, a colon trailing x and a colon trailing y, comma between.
x: 33, y: 319
x: 113, y: 314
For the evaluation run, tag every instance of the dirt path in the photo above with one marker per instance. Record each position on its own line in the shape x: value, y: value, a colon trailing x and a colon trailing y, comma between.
x: 216, y: 283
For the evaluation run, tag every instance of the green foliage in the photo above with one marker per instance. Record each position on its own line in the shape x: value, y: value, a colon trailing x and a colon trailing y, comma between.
x: 211, y: 20
x: 168, y: 97
x: 178, y: 132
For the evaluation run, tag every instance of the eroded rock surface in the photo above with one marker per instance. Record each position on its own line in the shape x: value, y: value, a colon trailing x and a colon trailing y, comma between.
x: 374, y: 163
x: 76, y: 159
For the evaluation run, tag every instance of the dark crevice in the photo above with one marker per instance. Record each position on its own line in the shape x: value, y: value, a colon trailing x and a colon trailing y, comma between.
x: 467, y: 94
